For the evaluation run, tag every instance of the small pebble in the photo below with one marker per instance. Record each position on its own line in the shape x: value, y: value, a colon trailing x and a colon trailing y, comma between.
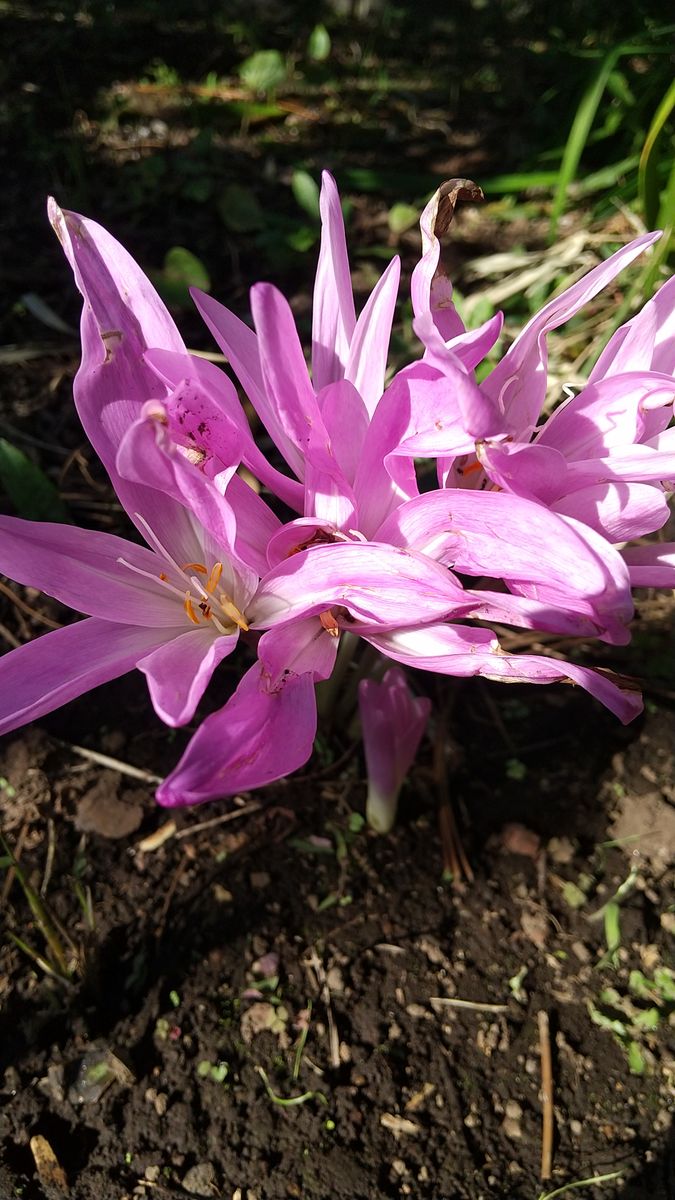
x: 512, y: 1128
x: 201, y: 1180
x: 416, y: 1010
x: 581, y: 951
x: 513, y: 1110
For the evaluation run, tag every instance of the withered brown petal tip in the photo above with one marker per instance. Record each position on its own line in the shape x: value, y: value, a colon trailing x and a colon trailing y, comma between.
x: 450, y: 194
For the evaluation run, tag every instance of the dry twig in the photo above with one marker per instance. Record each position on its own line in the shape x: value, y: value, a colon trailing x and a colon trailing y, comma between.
x: 546, y: 1095
x: 26, y: 608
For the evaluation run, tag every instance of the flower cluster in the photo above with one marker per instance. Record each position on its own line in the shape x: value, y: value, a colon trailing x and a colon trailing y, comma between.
x: 330, y: 535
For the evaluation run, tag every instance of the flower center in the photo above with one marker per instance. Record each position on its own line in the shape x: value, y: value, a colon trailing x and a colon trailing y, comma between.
x: 210, y: 604
x: 203, y: 600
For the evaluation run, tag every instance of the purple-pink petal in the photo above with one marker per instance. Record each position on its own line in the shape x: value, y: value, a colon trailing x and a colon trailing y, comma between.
x: 122, y: 317
x: 178, y: 672
x: 378, y: 585
x: 57, y: 667
x: 82, y: 568
x: 291, y: 396
x: 618, y: 511
x: 333, y: 315
x: 367, y: 361
x: 392, y: 723
x: 259, y: 736
x: 301, y: 647
x: 646, y: 342
x: 539, y: 554
x: 518, y: 382
x: 440, y: 648
x: 651, y: 566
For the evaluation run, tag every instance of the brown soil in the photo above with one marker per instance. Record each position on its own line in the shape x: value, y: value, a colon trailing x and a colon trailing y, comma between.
x: 401, y: 1092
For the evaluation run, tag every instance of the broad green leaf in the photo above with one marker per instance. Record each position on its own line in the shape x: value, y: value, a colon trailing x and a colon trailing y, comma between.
x: 401, y: 217
x: 240, y: 210
x: 306, y: 192
x: 31, y: 492
x: 182, y: 266
x: 263, y: 71
x: 181, y: 271
x: 318, y: 44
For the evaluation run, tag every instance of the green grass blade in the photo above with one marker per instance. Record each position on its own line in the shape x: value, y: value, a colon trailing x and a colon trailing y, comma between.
x: 518, y: 181
x: 648, y: 186
x: 578, y: 136
x: 580, y: 1183
x: 663, y: 249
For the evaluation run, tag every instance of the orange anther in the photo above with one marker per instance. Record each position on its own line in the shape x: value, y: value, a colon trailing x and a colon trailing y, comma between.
x: 198, y: 567
x: 164, y: 578
x: 212, y: 581
x: 329, y: 623
x: 189, y: 609
x: 475, y: 466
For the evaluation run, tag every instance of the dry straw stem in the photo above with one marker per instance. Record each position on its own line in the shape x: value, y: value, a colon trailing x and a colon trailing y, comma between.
x: 546, y: 1095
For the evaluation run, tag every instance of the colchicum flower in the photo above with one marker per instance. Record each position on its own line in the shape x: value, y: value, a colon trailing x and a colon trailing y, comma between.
x: 537, y: 516
x: 392, y: 723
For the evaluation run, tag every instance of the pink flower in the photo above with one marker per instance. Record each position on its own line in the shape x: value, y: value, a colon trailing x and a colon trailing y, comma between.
x: 392, y: 723
x: 367, y: 553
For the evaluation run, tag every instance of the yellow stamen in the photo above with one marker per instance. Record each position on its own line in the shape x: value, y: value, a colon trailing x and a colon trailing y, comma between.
x: 189, y: 609
x: 213, y: 579
x: 231, y: 610
x: 164, y: 578
x: 199, y: 567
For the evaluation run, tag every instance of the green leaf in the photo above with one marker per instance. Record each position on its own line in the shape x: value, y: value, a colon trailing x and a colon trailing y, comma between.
x: 302, y: 239
x: 578, y: 135
x: 240, y: 210
x: 648, y: 1019
x: 636, y: 1059
x: 613, y: 1024
x: 648, y: 186
x: 664, y: 980
x: 573, y: 895
x: 182, y: 266
x: 263, y: 71
x: 401, y: 217
x: 306, y: 192
x: 31, y: 492
x: 640, y: 985
x: 181, y: 271
x: 520, y: 181
x: 318, y: 44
